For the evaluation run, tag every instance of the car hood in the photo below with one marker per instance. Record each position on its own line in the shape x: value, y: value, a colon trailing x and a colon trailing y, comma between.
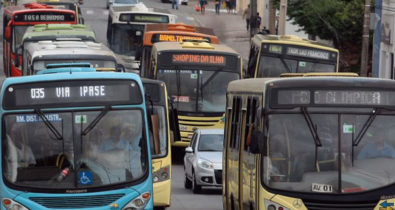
x: 214, y: 157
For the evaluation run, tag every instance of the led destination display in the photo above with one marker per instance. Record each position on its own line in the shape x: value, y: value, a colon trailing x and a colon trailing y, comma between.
x: 45, y: 17
x: 199, y: 59
x: 175, y: 38
x: 364, y: 98
x: 305, y: 52
x: 150, y: 18
x: 72, y: 93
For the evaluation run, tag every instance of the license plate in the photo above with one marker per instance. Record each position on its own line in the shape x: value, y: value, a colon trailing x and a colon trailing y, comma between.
x: 324, y: 188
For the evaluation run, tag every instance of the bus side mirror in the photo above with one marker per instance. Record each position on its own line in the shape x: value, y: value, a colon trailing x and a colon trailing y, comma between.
x: 120, y: 68
x: 174, y: 127
x: 258, y: 142
x: 18, y: 56
x: 7, y: 34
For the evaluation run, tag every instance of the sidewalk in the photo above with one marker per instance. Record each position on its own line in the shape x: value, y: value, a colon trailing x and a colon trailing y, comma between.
x: 230, y: 28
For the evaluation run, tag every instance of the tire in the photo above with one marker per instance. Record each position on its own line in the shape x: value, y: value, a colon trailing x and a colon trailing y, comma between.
x: 195, y: 187
x: 187, y: 183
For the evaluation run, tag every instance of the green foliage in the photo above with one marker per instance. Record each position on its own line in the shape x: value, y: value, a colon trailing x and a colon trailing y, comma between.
x: 337, y: 20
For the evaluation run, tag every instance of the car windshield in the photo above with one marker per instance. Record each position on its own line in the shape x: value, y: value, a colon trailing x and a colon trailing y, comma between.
x: 39, y: 65
x: 336, y: 163
x: 126, y: 1
x: 275, y: 66
x: 211, y: 142
x: 110, y: 152
x: 126, y: 39
x: 197, y: 90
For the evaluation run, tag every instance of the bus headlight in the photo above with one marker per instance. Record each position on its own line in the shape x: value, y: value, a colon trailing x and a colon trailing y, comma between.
x: 270, y: 205
x: 161, y: 174
x: 12, y: 205
x: 205, y: 164
x: 138, y: 203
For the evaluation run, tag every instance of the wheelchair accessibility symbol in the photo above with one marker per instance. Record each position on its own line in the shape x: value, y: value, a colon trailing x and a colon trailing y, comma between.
x: 85, y: 177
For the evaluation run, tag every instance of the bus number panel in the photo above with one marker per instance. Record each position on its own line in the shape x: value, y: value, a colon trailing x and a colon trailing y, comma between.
x: 298, y: 51
x: 44, y: 17
x: 72, y: 93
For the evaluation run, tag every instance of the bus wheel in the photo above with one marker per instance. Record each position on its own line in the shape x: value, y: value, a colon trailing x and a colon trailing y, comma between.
x: 187, y: 183
x: 195, y: 187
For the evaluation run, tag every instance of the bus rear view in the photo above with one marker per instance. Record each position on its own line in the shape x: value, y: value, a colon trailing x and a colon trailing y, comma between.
x: 75, y: 141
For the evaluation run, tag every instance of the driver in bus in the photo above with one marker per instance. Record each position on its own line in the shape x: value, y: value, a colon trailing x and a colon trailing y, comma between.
x: 377, y: 146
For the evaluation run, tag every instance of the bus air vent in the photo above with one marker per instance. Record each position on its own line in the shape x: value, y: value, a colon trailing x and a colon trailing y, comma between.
x: 77, y: 201
x: 330, y: 205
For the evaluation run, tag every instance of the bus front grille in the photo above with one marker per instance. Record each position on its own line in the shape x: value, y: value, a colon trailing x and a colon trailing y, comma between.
x: 77, y: 201
x: 331, y: 205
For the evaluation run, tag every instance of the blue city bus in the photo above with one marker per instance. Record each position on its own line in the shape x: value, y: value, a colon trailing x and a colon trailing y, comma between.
x: 75, y: 140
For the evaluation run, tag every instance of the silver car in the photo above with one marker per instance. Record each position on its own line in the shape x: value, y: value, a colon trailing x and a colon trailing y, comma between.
x: 203, y: 159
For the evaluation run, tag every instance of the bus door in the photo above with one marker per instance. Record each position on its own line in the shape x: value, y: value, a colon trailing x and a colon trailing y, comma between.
x: 248, y: 166
x: 7, y: 31
x: 233, y: 155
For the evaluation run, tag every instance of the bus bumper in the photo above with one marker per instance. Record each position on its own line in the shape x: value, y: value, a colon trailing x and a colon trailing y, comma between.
x: 180, y: 144
x: 162, y: 192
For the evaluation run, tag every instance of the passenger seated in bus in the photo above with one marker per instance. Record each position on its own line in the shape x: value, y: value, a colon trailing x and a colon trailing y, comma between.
x: 114, y: 141
x: 18, y: 153
x: 377, y: 147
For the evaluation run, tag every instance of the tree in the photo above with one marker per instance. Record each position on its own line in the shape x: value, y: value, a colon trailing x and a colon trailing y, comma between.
x: 337, y: 20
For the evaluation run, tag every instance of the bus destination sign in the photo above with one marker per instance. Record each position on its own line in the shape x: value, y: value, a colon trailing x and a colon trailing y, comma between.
x: 216, y: 60
x: 175, y: 38
x: 72, y: 93
x: 146, y: 18
x: 305, y: 52
x: 364, y: 98
x: 45, y: 17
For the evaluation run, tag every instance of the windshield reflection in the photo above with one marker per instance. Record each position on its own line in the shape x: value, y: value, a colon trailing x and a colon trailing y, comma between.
x: 113, y: 152
x: 275, y: 66
x: 197, y: 90
x: 295, y: 163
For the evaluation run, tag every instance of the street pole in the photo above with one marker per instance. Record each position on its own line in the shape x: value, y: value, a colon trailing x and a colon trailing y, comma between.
x: 365, y: 40
x: 272, y: 17
x: 283, y: 17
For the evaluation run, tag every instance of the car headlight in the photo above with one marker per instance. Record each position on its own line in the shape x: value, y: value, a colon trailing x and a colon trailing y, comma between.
x: 138, y: 203
x: 161, y: 174
x: 9, y: 204
x: 270, y: 205
x: 205, y: 164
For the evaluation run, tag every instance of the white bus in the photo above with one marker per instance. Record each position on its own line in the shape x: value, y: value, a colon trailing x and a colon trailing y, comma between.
x: 125, y: 31
x: 37, y: 55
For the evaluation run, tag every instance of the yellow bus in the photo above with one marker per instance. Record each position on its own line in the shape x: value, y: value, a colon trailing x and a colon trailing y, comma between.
x: 309, y: 143
x: 273, y: 55
x: 157, y: 104
x: 196, y: 75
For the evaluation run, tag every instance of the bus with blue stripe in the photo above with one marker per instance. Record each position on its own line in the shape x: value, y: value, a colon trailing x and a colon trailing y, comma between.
x: 75, y: 140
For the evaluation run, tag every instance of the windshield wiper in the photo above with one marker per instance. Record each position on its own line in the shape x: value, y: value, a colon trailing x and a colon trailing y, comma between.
x: 365, y: 127
x: 285, y: 64
x: 312, y: 127
x: 49, y: 125
x: 95, y: 121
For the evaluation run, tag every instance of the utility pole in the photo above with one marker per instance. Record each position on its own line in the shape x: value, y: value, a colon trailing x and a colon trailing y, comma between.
x: 365, y: 40
x: 283, y: 17
x: 272, y: 17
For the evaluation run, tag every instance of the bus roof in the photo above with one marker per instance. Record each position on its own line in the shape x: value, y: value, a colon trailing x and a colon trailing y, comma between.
x: 259, y: 85
x: 258, y: 39
x: 58, y: 32
x: 69, y: 48
x: 193, y: 46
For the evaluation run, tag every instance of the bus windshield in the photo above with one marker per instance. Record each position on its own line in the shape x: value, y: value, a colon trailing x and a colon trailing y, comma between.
x: 270, y: 66
x: 339, y: 162
x: 39, y: 65
x: 88, y: 155
x: 126, y: 39
x: 197, y: 90
x: 18, y: 32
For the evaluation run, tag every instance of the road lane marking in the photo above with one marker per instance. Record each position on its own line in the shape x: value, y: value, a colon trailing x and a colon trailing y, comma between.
x: 190, y: 18
x: 89, y: 12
